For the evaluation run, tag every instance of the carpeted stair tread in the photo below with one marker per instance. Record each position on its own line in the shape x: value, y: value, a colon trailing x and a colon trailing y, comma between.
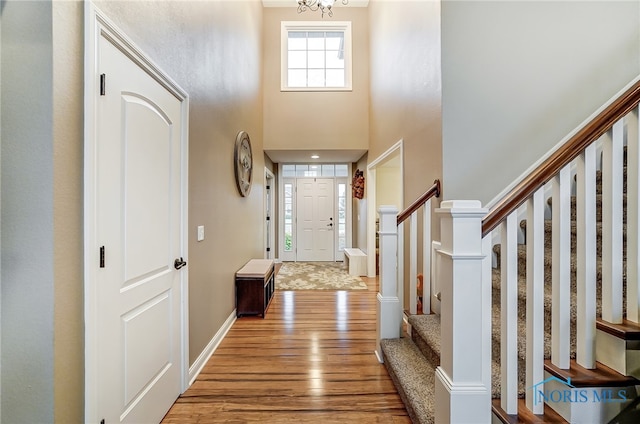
x: 548, y: 227
x: 425, y: 333
x: 413, y: 376
x: 548, y: 254
x: 599, y: 177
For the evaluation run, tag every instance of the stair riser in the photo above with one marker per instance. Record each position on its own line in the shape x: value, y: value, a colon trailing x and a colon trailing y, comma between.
x: 618, y: 354
x: 432, y: 356
x: 586, y: 405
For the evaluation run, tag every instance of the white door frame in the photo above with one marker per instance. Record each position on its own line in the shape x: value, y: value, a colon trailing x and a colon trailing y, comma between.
x: 372, y: 212
x: 96, y: 23
x: 291, y: 256
x: 269, y: 236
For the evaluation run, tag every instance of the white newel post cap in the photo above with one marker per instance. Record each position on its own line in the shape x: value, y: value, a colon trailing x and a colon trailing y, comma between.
x: 388, y: 217
x: 461, y: 224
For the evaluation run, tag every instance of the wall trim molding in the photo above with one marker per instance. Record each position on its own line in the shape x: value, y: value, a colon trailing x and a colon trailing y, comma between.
x: 203, y: 358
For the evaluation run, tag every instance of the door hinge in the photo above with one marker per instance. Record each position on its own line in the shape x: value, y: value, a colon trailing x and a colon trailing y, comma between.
x: 268, y: 218
x: 103, y: 84
x: 268, y: 249
x: 102, y: 421
x: 268, y: 187
x: 101, y: 256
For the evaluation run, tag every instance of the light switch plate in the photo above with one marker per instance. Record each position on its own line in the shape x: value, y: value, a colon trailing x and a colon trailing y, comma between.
x: 200, y: 232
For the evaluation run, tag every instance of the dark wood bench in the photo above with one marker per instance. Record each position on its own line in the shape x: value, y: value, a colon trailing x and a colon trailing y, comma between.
x: 255, y: 285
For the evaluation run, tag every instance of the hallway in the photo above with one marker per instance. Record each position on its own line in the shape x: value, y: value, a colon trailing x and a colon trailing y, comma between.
x: 311, y: 360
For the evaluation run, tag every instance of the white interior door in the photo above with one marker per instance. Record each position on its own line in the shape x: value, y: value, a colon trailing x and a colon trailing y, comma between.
x: 139, y: 194
x: 315, y: 223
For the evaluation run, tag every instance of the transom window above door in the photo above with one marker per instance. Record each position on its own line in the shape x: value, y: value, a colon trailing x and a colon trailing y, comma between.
x: 315, y: 170
x: 316, y: 56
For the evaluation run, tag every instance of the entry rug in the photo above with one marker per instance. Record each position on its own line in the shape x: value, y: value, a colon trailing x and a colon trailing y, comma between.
x: 317, y: 276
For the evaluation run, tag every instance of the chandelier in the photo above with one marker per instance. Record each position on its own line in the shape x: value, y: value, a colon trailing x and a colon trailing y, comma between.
x: 313, y: 5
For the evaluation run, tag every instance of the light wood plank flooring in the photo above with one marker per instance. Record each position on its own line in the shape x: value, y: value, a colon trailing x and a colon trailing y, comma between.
x: 310, y: 360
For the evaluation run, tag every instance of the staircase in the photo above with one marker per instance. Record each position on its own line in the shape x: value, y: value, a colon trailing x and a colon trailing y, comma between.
x: 578, y: 325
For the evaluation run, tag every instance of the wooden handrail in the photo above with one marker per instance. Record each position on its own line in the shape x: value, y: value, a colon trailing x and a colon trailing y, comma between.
x: 434, y: 190
x: 560, y: 158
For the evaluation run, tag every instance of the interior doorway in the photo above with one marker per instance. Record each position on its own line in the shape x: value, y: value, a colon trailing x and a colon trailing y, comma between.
x: 269, y: 215
x: 136, y: 197
x: 385, y: 187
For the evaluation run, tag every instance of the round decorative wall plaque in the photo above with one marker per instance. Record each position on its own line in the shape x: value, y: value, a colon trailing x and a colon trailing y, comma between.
x: 243, y: 163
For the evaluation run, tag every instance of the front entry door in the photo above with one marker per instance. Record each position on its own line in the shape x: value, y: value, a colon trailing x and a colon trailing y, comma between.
x: 315, y: 229
x: 139, y: 192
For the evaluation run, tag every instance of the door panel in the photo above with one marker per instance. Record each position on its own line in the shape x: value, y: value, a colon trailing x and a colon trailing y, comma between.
x: 139, y: 223
x: 147, y: 175
x: 146, y: 359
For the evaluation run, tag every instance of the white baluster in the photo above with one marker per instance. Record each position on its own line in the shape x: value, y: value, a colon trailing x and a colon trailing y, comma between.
x: 487, y: 305
x: 426, y: 258
x: 586, y: 258
x: 389, y: 312
x: 413, y: 263
x: 561, y: 269
x: 535, y: 298
x: 509, y: 314
x: 633, y: 217
x: 462, y: 394
x: 612, y: 159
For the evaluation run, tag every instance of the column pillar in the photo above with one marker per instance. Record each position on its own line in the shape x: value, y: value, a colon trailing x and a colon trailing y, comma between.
x: 389, y: 312
x: 463, y: 391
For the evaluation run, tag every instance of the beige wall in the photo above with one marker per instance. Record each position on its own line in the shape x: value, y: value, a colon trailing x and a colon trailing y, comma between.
x: 406, y: 88
x: 316, y: 120
x: 389, y: 184
x: 212, y: 49
x: 519, y: 76
x: 68, y: 98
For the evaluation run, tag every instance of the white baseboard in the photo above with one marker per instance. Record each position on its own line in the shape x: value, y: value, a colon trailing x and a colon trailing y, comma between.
x: 211, y: 347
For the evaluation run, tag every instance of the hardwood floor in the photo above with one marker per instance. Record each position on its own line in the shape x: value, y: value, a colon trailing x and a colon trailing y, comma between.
x: 310, y: 360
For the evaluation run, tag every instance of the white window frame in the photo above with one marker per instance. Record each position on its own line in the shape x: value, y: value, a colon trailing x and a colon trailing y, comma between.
x: 342, y: 26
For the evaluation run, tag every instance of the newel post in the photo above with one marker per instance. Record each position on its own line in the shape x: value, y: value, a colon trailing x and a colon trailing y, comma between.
x: 463, y: 391
x: 389, y: 313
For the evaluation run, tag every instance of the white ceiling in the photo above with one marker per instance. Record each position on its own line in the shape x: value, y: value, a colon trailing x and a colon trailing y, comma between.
x: 287, y: 3
x: 304, y: 156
